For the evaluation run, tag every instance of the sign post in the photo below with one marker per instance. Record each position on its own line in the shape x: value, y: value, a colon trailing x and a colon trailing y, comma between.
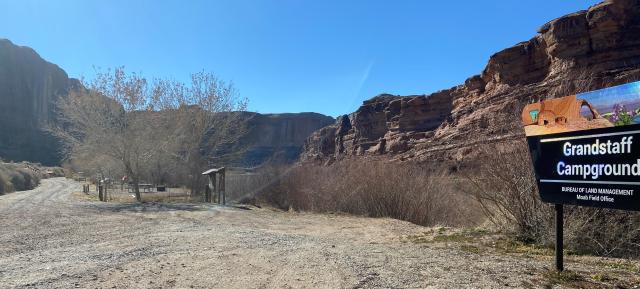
x: 559, y: 238
x: 585, y: 151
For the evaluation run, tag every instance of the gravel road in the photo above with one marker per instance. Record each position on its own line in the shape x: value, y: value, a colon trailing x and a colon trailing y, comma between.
x: 50, y: 238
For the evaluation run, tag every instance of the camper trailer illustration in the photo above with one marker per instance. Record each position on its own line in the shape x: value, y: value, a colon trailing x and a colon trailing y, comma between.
x: 561, y: 115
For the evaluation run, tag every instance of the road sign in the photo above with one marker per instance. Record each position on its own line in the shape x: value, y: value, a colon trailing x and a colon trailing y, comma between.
x: 585, y: 150
x: 595, y: 168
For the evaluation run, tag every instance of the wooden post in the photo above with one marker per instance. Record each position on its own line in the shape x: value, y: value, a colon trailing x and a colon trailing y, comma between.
x: 222, y: 188
x: 100, y: 193
x: 219, y: 185
x: 215, y: 188
x: 559, y: 238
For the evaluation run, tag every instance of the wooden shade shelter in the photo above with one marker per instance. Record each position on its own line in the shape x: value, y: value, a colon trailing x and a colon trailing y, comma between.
x: 215, y: 187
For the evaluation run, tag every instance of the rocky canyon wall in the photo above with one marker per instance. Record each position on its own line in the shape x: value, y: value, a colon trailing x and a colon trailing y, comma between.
x: 29, y: 88
x: 586, y: 50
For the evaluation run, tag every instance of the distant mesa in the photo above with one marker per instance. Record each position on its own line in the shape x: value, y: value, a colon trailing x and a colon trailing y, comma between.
x: 30, y: 87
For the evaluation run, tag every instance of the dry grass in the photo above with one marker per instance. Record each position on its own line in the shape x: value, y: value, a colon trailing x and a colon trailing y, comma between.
x: 376, y: 189
x: 504, y: 185
x: 587, y: 271
x: 242, y: 187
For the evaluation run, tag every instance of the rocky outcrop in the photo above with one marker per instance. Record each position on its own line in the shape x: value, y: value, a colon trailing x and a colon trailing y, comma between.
x: 382, y: 124
x: 276, y: 138
x: 586, y: 50
x: 29, y: 88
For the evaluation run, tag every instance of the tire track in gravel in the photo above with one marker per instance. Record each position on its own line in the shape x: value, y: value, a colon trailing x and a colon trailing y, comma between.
x: 41, y: 204
x: 30, y: 199
x: 50, y: 239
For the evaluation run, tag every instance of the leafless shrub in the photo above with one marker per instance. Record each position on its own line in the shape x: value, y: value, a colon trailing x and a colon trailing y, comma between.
x: 99, y: 165
x: 503, y: 183
x: 243, y: 186
x: 376, y: 189
x: 603, y: 232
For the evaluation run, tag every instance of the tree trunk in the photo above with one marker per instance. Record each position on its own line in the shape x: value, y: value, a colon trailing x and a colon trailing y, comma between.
x: 194, y: 185
x: 195, y: 166
x: 136, y: 189
x: 136, y: 182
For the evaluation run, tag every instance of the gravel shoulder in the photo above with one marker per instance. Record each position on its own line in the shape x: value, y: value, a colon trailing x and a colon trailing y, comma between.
x: 51, y: 238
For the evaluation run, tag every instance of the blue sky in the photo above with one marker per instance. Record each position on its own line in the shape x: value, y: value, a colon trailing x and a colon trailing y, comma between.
x: 286, y: 55
x: 604, y: 99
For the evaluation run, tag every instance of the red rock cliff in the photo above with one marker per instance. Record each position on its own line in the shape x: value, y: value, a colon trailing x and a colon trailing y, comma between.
x: 586, y: 50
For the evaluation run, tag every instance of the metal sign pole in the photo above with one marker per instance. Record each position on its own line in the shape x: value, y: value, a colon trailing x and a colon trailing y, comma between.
x: 559, y: 238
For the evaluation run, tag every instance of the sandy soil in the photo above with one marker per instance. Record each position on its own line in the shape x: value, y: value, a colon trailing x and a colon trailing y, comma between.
x: 51, y: 238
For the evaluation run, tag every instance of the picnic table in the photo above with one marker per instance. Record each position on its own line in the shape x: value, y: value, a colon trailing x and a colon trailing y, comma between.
x: 143, y: 187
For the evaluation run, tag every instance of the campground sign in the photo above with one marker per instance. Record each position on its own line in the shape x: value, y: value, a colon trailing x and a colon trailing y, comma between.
x: 586, y: 148
x: 595, y: 168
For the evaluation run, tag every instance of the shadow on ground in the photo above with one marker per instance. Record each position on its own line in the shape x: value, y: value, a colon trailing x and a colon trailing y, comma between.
x: 154, y: 207
x: 148, y: 207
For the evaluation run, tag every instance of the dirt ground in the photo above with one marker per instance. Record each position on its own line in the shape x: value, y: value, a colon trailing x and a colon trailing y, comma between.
x: 53, y: 237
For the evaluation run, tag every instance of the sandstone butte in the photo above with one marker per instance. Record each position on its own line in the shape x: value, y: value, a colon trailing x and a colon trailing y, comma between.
x: 582, y: 51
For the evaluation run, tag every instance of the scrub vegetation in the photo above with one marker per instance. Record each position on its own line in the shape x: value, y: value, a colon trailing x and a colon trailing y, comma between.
x: 23, y: 176
x: 495, y: 196
x: 375, y: 189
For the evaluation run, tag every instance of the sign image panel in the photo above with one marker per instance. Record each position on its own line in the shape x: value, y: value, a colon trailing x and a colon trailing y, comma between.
x: 585, y: 148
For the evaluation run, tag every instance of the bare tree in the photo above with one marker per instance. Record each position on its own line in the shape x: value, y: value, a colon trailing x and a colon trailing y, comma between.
x: 207, y: 121
x: 114, y: 116
x: 148, y: 125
